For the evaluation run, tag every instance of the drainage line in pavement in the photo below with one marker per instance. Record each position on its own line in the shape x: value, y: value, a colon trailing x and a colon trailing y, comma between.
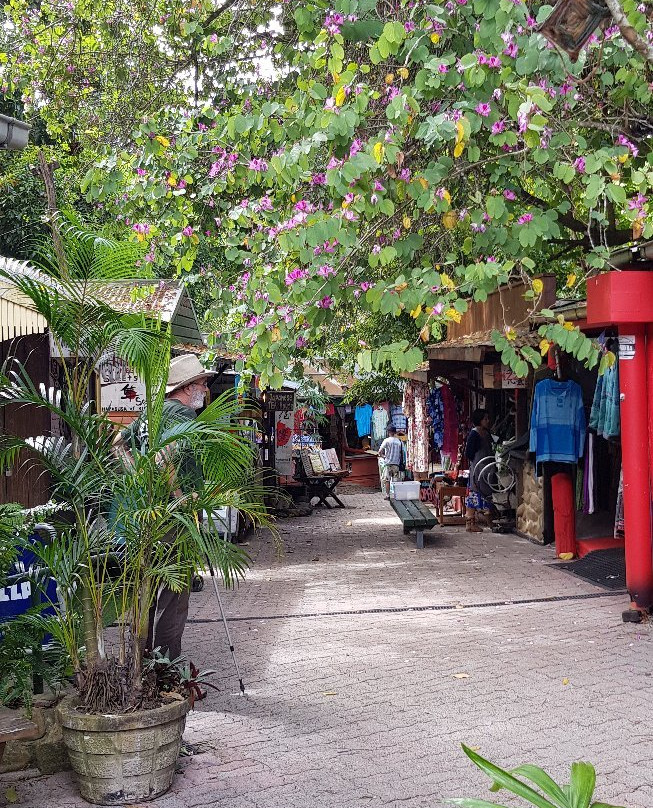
x: 441, y: 608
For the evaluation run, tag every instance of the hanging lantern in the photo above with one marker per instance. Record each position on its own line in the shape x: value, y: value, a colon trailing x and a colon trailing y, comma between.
x: 572, y: 23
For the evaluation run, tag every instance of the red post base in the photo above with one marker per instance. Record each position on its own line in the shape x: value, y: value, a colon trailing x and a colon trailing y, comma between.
x: 564, y: 513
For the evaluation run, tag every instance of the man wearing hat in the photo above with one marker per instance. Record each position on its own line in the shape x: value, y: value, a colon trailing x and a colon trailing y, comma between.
x: 185, y: 394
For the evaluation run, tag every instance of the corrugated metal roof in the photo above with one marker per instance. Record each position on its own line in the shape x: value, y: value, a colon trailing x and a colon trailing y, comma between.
x: 150, y: 296
x: 166, y: 299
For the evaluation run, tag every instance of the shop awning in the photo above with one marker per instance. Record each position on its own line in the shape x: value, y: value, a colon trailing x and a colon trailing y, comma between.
x: 475, y: 347
x: 17, y: 318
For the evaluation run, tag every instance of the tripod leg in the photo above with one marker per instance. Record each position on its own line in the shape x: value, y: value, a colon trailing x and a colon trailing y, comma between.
x: 226, y: 628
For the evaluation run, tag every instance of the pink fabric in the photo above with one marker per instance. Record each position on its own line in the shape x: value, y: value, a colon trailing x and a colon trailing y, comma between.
x: 450, y: 436
x: 417, y: 445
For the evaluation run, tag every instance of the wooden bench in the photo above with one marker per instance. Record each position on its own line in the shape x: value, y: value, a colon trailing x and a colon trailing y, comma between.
x: 321, y: 485
x: 414, y: 516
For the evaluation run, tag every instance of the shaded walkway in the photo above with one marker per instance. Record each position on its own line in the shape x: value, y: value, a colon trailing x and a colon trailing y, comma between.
x: 357, y: 707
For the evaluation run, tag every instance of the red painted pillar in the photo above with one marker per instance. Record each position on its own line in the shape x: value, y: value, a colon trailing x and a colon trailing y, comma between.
x: 635, y: 452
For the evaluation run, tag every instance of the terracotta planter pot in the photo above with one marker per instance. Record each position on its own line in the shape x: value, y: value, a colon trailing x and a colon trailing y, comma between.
x: 120, y: 759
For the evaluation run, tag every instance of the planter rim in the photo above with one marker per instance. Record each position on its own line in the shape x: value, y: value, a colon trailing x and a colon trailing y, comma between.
x: 90, y: 722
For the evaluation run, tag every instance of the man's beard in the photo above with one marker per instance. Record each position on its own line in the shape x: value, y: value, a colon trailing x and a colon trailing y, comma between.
x: 197, y: 401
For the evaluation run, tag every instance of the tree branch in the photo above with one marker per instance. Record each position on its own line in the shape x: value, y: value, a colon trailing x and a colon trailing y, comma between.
x: 628, y: 32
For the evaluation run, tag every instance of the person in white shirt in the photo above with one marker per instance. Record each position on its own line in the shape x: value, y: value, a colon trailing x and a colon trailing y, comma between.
x: 391, y: 451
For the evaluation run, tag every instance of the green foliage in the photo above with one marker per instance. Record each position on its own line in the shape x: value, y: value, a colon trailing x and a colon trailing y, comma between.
x: 108, y: 556
x: 11, y: 522
x: 21, y: 660
x: 546, y: 793
x: 375, y: 387
x: 387, y: 162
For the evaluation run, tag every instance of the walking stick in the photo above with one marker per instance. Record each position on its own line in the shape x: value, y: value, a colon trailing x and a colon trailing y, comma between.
x: 219, y: 599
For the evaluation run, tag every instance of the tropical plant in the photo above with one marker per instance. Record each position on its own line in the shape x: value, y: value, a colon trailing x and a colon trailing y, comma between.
x: 375, y: 387
x: 107, y: 553
x: 23, y: 660
x: 578, y: 793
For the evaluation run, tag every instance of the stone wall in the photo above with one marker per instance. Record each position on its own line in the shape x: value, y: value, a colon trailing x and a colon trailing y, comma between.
x: 530, y: 511
x: 47, y: 753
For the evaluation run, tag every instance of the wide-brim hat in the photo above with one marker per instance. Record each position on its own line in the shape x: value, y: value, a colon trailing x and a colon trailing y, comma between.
x: 184, y: 370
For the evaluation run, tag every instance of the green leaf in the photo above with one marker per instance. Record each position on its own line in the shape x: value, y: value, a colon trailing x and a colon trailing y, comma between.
x: 506, y: 780
x: 581, y: 786
x: 543, y: 781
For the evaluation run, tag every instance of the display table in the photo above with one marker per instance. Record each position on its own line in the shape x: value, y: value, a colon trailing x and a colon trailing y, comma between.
x: 445, y: 496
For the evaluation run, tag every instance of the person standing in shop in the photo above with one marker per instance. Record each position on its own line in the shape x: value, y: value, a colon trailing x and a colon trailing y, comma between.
x: 391, y: 451
x: 478, y: 448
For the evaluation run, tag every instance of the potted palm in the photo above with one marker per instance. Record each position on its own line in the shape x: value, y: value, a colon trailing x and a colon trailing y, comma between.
x: 123, y: 727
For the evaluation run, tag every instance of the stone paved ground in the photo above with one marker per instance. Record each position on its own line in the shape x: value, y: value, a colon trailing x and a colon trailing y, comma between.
x: 352, y: 707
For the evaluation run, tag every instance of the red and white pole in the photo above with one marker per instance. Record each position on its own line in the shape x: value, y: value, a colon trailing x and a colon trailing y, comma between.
x: 636, y: 387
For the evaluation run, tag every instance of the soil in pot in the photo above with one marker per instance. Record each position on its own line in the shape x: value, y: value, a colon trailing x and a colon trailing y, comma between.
x: 122, y: 759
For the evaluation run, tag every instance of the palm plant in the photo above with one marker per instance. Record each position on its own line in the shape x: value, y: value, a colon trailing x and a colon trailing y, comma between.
x: 107, y: 555
x: 578, y: 793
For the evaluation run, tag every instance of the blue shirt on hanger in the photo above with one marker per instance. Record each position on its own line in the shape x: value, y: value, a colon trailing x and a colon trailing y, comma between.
x: 363, y: 418
x: 558, y: 423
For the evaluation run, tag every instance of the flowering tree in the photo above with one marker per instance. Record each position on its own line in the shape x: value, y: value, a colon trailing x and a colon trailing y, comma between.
x: 403, y: 157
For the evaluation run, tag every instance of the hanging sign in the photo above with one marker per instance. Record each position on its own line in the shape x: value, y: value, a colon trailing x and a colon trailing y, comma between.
x: 120, y: 388
x: 510, y: 380
x: 626, y: 347
x: 283, y: 434
x: 279, y: 400
x: 500, y: 377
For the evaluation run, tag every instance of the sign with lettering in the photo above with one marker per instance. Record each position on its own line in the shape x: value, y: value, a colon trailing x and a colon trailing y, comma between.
x: 279, y: 400
x: 120, y: 388
x: 626, y: 347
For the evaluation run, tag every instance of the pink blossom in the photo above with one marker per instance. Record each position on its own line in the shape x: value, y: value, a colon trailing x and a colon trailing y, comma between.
x: 498, y: 127
x: 409, y: 26
x: 355, y: 147
x: 511, y: 50
x: 509, y: 195
x: 187, y: 231
x: 579, y: 165
x: 365, y: 285
x: 484, y: 110
x: 301, y: 342
x: 494, y: 62
x: 524, y: 218
x: 443, y: 68
x: 295, y: 275
x: 325, y: 303
x: 404, y: 174
x: 438, y: 308
x: 326, y: 271
x: 257, y: 164
x: 142, y: 229
x: 318, y: 179
x: 378, y: 186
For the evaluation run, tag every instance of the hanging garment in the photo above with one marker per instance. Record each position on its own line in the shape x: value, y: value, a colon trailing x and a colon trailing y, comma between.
x: 451, y: 424
x: 435, y: 409
x: 379, y: 423
x: 558, y: 423
x: 399, y: 420
x: 619, y: 522
x: 414, y: 406
x: 589, y: 475
x: 363, y: 418
x: 605, y: 418
x: 330, y: 409
x: 564, y: 517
